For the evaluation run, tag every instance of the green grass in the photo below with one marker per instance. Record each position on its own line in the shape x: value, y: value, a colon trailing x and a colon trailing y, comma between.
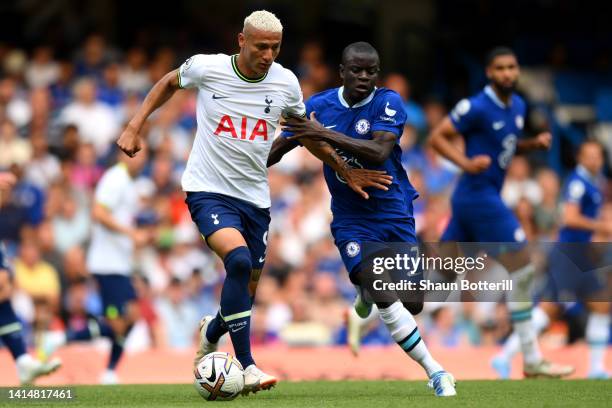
x: 352, y: 394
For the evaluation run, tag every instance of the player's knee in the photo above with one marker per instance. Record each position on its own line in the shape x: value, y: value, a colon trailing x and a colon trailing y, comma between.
x: 238, y: 262
x: 132, y: 313
x: 413, y: 307
x: 5, y: 285
x: 599, y: 307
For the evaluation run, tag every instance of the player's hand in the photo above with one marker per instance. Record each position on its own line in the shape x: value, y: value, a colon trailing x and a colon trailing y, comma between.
x: 130, y: 141
x: 302, y: 127
x: 544, y: 140
x: 140, y: 237
x: 7, y: 180
x: 478, y: 164
x: 606, y: 228
x: 358, y: 179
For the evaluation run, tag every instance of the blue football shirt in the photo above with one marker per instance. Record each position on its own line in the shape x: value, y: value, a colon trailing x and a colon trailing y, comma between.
x: 382, y: 110
x: 583, y: 189
x: 491, y: 128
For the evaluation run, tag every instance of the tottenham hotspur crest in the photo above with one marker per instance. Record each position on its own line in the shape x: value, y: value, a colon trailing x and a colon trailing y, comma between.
x: 268, y: 101
x: 362, y: 126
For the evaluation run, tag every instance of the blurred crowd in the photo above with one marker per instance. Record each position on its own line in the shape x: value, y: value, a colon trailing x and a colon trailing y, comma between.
x: 59, y: 119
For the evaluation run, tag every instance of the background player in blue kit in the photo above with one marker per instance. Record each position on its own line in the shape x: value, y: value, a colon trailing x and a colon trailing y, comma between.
x: 11, y: 334
x: 365, y: 124
x: 491, y: 122
x: 582, y: 200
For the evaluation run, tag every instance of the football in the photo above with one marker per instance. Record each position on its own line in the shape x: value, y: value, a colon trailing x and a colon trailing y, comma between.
x: 218, y: 377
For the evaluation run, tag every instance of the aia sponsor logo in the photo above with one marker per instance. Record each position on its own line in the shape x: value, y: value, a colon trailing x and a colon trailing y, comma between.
x: 226, y: 126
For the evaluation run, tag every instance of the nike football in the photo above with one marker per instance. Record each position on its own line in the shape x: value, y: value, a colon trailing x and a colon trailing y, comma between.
x: 219, y: 377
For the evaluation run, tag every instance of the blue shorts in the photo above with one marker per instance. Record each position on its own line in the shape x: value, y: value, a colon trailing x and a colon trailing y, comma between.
x: 116, y: 292
x: 349, y: 236
x: 487, y: 219
x: 213, y: 211
x: 572, y: 274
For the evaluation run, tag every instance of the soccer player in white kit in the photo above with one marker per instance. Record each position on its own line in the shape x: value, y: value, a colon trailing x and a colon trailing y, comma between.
x: 111, y: 262
x: 239, y: 105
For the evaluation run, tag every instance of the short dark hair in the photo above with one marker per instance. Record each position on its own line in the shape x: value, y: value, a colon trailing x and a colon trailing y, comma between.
x: 360, y: 47
x: 591, y: 142
x: 496, y: 52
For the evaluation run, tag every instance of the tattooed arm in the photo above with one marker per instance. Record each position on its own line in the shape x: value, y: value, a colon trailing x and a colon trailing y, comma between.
x: 356, y: 179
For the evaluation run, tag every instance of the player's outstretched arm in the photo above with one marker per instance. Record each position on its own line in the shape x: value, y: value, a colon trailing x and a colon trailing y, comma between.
x: 130, y: 141
x: 441, y: 138
x: 573, y: 218
x: 100, y: 214
x: 542, y: 141
x: 280, y: 147
x: 374, y: 151
x: 356, y: 179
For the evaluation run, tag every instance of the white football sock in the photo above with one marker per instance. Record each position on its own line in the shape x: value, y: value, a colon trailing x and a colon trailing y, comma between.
x: 597, y: 335
x: 520, y: 307
x: 513, y: 344
x: 403, y: 329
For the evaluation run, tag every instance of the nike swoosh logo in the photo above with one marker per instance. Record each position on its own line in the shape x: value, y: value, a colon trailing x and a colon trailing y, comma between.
x: 261, y: 259
x: 330, y: 127
x: 219, y: 97
x: 238, y: 329
x: 213, y: 374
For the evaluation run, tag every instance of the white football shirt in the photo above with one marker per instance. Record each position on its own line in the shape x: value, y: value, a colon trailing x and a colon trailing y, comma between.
x: 236, y: 120
x: 111, y: 252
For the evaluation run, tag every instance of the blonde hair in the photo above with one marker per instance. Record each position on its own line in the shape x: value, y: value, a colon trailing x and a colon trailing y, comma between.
x: 263, y: 20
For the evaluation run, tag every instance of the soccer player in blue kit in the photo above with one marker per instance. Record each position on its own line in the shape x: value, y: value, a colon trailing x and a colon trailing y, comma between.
x: 570, y: 264
x: 491, y: 122
x: 364, y: 124
x: 11, y: 333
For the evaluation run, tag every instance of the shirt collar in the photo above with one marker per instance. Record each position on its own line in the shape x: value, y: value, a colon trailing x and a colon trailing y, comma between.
x: 359, y: 104
x: 491, y: 94
x: 124, y: 167
x: 584, y: 173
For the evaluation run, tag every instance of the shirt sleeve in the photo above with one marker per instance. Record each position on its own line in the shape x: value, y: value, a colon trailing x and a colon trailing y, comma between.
x: 108, y: 190
x: 464, y: 116
x: 295, y: 102
x: 192, y: 73
x: 390, y: 115
x: 574, y: 191
x: 308, y: 108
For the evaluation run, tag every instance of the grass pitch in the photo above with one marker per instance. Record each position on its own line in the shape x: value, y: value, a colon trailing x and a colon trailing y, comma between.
x: 352, y: 394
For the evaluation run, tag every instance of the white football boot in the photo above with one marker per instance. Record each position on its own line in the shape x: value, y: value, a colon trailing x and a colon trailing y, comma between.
x: 109, y: 377
x: 205, y: 346
x: 443, y: 384
x: 29, y: 368
x: 256, y: 380
x: 546, y: 369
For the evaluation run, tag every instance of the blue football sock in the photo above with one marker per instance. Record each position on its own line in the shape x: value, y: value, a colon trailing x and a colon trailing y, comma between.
x: 236, y: 302
x: 10, y: 330
x: 216, y: 328
x: 118, y: 343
